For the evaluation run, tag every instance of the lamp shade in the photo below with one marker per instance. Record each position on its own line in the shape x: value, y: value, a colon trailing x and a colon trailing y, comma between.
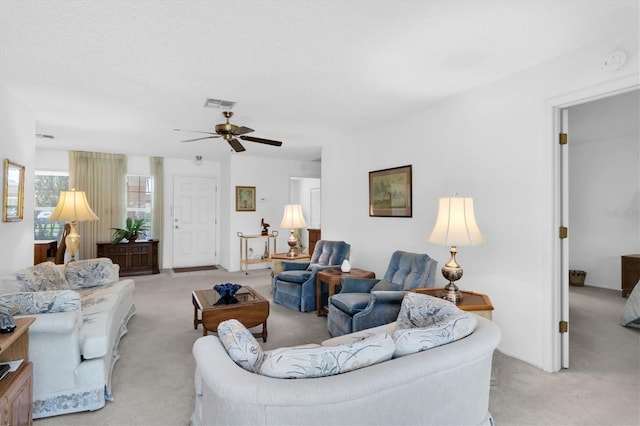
x: 73, y: 207
x: 456, y: 223
x: 293, y: 217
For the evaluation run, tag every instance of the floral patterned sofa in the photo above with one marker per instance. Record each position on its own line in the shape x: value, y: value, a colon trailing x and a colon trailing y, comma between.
x: 432, y: 366
x: 81, y: 310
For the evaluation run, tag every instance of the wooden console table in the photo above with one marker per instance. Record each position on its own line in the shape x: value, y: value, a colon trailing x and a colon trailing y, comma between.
x: 16, y: 388
x: 265, y: 257
x: 43, y: 250
x: 479, y: 304
x: 333, y: 277
x: 139, y: 258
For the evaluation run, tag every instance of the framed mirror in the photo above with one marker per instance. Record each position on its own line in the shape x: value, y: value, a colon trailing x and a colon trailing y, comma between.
x: 13, y: 206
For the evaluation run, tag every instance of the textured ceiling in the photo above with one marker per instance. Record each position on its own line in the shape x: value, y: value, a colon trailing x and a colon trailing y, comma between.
x: 118, y: 76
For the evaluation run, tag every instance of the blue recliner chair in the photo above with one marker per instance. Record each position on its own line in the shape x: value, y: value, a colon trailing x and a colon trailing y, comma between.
x: 295, y: 286
x: 367, y: 302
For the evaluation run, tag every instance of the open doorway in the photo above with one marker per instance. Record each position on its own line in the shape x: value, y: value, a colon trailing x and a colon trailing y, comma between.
x: 306, y: 192
x: 598, y: 197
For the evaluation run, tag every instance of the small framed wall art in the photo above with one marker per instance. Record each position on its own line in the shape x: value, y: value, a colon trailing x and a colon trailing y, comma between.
x: 390, y: 192
x: 245, y: 198
x: 13, y: 206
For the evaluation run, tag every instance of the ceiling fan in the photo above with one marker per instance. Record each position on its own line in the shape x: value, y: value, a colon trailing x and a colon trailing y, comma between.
x: 229, y: 132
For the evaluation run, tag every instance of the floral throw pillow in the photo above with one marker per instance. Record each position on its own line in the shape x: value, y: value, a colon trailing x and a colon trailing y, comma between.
x: 91, y: 273
x: 313, y: 360
x: 425, y: 322
x: 41, y: 277
x: 240, y: 344
x: 41, y: 302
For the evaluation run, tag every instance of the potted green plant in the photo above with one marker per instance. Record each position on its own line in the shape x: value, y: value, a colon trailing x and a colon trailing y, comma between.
x: 130, y: 232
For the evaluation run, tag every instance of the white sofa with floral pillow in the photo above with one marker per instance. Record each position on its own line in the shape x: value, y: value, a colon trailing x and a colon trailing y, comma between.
x: 432, y: 366
x: 81, y: 310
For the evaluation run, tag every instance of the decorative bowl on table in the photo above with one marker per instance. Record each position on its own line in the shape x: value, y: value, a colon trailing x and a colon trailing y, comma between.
x: 227, y: 290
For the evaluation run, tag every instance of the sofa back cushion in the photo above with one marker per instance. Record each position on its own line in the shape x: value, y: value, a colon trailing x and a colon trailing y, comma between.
x: 240, y: 344
x: 425, y: 322
x: 91, y: 273
x: 410, y: 270
x: 310, y: 361
x: 41, y: 277
x: 329, y: 253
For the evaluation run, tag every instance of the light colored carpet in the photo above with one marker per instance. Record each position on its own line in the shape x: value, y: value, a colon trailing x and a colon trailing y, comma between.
x: 153, y: 380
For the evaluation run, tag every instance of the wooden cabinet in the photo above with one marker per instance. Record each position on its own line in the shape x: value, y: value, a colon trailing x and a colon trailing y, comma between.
x: 139, y: 258
x: 630, y: 272
x: 314, y: 237
x: 16, y: 388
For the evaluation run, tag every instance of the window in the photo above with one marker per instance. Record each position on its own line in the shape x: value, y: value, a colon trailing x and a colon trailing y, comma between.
x: 139, y: 195
x: 47, y: 191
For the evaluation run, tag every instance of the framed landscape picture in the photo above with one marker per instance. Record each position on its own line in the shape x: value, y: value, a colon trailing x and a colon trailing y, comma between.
x: 245, y: 198
x: 390, y: 192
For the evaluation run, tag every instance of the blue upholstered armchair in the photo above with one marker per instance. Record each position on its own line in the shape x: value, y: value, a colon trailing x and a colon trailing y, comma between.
x: 367, y: 302
x: 295, y: 286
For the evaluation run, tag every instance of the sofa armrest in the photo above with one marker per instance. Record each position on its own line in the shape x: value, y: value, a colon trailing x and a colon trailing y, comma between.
x: 383, y: 308
x: 295, y: 266
x: 42, y: 302
x: 358, y: 285
x: 54, y: 349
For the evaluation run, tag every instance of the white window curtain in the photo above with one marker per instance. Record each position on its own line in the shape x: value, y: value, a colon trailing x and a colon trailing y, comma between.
x: 156, y: 165
x: 103, y: 178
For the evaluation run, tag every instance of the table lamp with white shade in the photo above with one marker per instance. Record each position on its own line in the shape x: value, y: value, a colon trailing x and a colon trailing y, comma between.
x: 293, y: 219
x: 455, y: 226
x: 73, y: 207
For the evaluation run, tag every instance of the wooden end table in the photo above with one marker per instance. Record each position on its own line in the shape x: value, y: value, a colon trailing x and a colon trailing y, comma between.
x: 333, y: 277
x: 278, y: 258
x: 479, y: 304
x: 251, y: 310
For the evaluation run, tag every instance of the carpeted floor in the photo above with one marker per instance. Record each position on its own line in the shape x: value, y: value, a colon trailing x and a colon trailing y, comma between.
x: 153, y: 380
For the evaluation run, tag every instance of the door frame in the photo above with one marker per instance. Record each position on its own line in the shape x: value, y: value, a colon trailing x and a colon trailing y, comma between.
x: 560, y: 270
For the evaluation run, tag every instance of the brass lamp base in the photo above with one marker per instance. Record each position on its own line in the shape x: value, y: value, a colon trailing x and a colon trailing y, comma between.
x: 453, y: 272
x: 293, y: 245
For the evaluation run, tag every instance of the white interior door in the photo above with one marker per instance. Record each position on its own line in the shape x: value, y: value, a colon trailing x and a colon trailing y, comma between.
x: 194, y: 221
x: 564, y: 250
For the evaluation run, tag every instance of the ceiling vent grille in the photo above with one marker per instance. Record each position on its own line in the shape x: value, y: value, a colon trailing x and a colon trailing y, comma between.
x: 220, y: 104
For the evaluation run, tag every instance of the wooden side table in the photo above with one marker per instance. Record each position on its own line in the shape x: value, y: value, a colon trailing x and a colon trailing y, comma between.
x: 333, y: 277
x: 479, y: 304
x: 278, y: 258
x: 16, y: 388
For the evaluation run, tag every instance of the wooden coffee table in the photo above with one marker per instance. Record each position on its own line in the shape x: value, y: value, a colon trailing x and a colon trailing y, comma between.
x: 333, y: 277
x: 251, y: 310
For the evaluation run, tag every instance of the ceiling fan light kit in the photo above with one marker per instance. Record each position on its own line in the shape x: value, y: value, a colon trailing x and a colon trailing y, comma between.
x: 229, y: 132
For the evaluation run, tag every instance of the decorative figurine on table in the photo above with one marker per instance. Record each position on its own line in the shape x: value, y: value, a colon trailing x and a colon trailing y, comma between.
x: 265, y: 227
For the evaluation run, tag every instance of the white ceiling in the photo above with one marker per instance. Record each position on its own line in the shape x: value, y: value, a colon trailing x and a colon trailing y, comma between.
x: 118, y: 76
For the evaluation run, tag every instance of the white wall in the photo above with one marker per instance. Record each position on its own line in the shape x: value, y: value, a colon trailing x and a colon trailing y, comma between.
x: 495, y: 144
x: 17, y: 143
x: 271, y: 177
x: 604, y: 187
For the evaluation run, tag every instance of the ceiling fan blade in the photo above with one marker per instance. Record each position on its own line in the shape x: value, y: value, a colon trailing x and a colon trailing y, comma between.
x: 199, y: 139
x: 236, y: 145
x: 260, y: 140
x: 241, y: 130
x: 197, y: 131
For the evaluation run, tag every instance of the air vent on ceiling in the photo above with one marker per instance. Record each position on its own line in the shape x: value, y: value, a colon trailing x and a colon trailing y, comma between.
x: 220, y: 104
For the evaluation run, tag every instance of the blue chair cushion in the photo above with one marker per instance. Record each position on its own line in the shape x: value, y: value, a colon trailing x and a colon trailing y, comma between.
x: 351, y: 303
x: 294, y: 276
x: 383, y: 285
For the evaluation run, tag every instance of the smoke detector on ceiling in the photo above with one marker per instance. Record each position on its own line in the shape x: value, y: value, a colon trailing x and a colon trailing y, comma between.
x: 615, y: 61
x: 218, y: 103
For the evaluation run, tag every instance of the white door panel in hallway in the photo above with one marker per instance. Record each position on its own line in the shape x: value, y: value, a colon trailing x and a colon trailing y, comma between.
x: 194, y: 221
